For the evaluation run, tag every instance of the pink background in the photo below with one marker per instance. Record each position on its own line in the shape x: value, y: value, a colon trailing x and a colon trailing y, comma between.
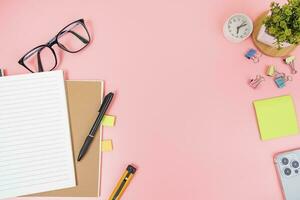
x: 184, y: 109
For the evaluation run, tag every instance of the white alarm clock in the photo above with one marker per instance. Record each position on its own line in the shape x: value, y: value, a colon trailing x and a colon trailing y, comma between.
x: 238, y: 27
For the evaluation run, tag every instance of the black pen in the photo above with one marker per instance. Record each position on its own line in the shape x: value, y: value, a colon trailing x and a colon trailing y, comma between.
x: 90, y: 137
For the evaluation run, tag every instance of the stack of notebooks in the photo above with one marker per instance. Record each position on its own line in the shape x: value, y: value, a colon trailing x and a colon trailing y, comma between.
x: 44, y: 121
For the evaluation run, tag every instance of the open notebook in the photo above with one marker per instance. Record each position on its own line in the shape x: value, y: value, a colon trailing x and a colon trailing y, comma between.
x: 35, y: 142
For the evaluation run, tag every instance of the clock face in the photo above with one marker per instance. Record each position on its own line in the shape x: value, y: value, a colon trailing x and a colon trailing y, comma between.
x: 238, y: 27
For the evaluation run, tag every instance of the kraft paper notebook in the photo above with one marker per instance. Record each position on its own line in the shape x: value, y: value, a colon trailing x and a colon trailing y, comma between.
x: 84, y: 100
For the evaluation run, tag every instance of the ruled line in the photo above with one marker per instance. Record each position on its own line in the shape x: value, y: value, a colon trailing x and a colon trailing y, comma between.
x: 28, y: 153
x: 34, y: 174
x: 40, y: 112
x: 10, y: 96
x: 41, y: 183
x: 36, y: 119
x: 37, y: 162
x: 37, y: 179
x: 33, y: 102
x: 36, y: 146
x: 29, y: 111
x: 31, y: 118
x: 45, y: 169
x: 46, y: 123
x: 33, y: 134
x: 29, y: 82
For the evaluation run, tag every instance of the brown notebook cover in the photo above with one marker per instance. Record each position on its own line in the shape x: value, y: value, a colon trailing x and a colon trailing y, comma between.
x: 84, y: 100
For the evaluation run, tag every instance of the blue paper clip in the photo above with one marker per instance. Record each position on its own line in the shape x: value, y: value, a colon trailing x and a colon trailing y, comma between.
x: 280, y: 82
x: 252, y: 54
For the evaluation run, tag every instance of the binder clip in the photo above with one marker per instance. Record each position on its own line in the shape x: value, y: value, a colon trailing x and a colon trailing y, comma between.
x: 281, y: 79
x: 290, y: 61
x: 253, y: 55
x: 271, y: 71
x: 254, y: 83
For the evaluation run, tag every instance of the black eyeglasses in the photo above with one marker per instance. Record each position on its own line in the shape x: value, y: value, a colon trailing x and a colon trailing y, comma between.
x: 72, y: 38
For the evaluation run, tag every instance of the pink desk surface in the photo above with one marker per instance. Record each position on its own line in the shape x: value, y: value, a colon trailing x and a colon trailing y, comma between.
x: 184, y: 109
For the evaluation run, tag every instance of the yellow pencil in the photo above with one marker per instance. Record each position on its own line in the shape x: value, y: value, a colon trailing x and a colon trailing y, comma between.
x: 123, y: 183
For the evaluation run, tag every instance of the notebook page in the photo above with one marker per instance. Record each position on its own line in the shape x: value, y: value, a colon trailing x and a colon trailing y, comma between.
x: 35, y: 142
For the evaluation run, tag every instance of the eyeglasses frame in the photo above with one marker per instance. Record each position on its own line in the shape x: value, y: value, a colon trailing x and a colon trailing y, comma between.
x: 54, y: 41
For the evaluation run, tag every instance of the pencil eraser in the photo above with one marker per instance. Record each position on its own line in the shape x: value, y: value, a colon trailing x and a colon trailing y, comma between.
x: 106, y: 146
x: 108, y: 120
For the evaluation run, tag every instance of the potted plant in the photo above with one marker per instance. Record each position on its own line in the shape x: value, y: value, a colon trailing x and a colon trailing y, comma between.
x: 281, y: 26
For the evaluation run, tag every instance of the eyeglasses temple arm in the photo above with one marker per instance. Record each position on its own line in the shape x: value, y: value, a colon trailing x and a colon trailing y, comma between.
x: 40, y: 65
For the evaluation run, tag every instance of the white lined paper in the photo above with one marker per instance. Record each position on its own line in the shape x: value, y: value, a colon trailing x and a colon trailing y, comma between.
x: 35, y: 141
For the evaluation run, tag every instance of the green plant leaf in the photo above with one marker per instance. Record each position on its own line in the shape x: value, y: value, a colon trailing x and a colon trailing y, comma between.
x: 288, y: 12
x: 287, y: 32
x: 272, y: 30
x: 276, y: 18
x: 284, y: 22
x: 281, y: 38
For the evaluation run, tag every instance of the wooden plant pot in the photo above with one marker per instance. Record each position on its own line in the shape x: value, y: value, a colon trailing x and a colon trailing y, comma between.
x: 265, y: 49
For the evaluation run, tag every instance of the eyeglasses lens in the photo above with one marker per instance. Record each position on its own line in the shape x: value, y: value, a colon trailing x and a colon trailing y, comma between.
x: 40, y: 59
x: 73, y: 38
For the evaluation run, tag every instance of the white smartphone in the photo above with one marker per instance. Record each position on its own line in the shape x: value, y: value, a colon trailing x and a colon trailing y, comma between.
x: 288, y: 169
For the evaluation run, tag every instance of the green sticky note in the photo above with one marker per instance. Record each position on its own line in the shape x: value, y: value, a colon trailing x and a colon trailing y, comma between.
x: 108, y: 120
x: 276, y: 117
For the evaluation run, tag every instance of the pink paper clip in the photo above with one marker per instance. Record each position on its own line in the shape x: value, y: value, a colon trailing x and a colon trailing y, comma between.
x: 254, y: 83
